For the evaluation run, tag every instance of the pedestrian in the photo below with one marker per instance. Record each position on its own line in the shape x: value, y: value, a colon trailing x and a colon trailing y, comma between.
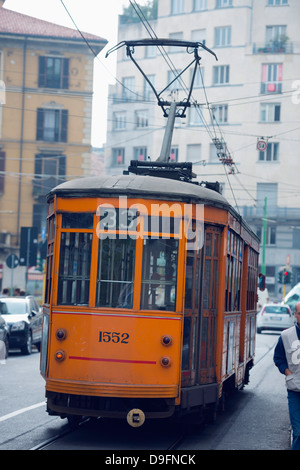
x: 5, y: 292
x: 287, y: 359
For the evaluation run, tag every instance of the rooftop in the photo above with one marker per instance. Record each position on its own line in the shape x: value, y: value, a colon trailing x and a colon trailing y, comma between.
x: 15, y: 23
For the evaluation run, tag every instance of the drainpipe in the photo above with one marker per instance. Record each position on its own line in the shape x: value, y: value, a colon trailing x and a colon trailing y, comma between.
x: 21, y: 140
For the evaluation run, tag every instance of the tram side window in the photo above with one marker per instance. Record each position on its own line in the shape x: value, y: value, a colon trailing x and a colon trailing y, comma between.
x: 115, y: 278
x: 74, y: 268
x: 159, y: 274
x: 233, y: 272
x: 252, y: 279
x: 49, y: 266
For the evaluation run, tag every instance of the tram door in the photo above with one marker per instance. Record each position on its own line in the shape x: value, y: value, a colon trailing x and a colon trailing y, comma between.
x: 200, y: 314
x: 207, y: 343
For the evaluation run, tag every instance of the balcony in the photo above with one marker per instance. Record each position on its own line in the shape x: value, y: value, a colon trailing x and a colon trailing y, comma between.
x: 274, y: 47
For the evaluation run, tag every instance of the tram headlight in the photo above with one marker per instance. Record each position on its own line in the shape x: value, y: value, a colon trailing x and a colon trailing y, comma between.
x: 61, y: 334
x: 166, y: 340
x: 165, y: 361
x: 60, y: 355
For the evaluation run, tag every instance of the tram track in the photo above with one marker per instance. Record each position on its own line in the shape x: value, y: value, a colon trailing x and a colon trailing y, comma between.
x: 136, y: 444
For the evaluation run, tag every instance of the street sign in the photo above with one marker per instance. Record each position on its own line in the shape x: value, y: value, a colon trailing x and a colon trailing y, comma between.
x: 261, y: 145
x: 12, y: 261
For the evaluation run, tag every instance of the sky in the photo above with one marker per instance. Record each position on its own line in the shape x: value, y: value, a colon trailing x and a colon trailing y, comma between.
x: 98, y: 17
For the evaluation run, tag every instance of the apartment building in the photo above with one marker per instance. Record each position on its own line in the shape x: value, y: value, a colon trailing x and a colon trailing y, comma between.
x: 249, y: 106
x: 46, y: 74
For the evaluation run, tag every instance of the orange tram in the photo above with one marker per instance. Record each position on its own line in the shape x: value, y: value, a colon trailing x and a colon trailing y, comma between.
x: 150, y: 297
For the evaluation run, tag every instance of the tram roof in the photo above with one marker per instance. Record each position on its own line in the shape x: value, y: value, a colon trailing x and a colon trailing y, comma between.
x: 139, y: 186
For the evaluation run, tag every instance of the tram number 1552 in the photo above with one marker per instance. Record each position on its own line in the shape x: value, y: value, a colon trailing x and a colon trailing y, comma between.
x: 113, y: 336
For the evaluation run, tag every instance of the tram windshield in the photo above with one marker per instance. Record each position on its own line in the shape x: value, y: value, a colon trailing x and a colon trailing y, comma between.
x: 115, y: 278
x: 159, y: 274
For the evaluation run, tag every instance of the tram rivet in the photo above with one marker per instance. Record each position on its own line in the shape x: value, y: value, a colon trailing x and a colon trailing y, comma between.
x: 165, y: 361
x: 167, y: 340
x: 61, y: 334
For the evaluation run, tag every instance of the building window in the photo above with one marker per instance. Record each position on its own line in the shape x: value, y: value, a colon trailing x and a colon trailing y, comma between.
x: 53, y: 72
x: 271, y: 78
x: 199, y: 77
x: 271, y: 154
x: 194, y: 153
x: 213, y: 154
x: 118, y: 156
x: 148, y: 92
x: 128, y: 88
x: 175, y: 37
x: 221, y: 75
x: 50, y: 170
x: 177, y: 7
x: 173, y: 154
x: 223, y: 36
x: 269, y: 112
x: 269, y: 191
x: 196, y: 116
x: 200, y: 5
x: 220, y: 113
x: 277, y: 2
x: 52, y: 125
x: 198, y: 35
x: 176, y: 82
x: 140, y: 153
x: 150, y: 51
x: 141, y: 119
x: 270, y: 235
x: 224, y: 3
x: 119, y: 121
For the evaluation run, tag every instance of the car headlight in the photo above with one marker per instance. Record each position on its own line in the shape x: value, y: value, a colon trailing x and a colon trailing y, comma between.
x: 18, y: 326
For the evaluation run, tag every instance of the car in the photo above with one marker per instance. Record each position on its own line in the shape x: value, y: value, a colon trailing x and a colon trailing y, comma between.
x: 4, y: 338
x: 274, y: 317
x: 24, y: 319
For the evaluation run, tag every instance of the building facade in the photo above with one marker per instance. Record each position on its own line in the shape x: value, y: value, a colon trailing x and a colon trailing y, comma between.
x: 46, y: 73
x: 246, y: 115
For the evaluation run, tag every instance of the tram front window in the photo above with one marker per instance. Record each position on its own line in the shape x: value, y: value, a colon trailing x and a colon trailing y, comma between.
x: 159, y: 274
x: 115, y: 278
x: 74, y: 268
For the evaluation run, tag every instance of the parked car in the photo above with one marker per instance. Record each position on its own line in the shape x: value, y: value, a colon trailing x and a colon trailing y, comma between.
x: 274, y: 317
x: 4, y: 338
x: 24, y: 319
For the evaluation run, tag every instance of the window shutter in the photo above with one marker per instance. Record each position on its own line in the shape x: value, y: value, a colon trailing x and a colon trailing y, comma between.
x: 2, y: 169
x: 40, y: 124
x: 65, y: 80
x: 62, y: 167
x: 64, y: 125
x: 42, y: 71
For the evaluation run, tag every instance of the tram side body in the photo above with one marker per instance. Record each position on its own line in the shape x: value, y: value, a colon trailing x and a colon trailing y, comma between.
x: 141, y: 362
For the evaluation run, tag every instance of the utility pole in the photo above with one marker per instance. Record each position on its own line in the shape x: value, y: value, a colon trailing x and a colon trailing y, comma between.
x: 263, y: 264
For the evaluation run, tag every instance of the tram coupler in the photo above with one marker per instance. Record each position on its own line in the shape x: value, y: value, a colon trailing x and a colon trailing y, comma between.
x: 135, y: 418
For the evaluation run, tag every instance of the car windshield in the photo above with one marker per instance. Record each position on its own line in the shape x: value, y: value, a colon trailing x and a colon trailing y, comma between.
x: 12, y: 307
x: 281, y: 310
